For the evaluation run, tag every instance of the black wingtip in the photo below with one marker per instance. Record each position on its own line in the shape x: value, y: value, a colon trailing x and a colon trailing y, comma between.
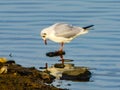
x: 88, y: 27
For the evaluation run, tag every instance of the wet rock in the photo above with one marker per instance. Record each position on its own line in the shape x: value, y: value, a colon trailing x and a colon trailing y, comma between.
x: 56, y: 53
x: 59, y: 65
x: 46, y: 66
x: 47, y: 77
x: 42, y: 68
x: 24, y: 78
x: 69, y: 72
x: 10, y: 62
x: 78, y: 74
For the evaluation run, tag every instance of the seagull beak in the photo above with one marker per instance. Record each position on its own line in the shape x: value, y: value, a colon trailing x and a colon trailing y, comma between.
x: 45, y: 41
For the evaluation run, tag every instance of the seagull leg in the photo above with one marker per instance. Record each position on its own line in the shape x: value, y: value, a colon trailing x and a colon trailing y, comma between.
x: 61, y: 50
x: 62, y: 59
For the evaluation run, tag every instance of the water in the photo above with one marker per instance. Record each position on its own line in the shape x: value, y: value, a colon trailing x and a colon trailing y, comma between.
x: 22, y: 20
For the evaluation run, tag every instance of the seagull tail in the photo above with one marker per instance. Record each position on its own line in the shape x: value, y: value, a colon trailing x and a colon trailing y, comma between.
x: 87, y: 27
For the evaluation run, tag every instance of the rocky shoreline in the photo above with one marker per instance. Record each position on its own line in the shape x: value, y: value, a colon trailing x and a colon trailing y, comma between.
x: 15, y: 77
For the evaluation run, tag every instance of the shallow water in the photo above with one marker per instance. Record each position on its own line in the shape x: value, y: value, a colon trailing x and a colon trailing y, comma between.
x: 21, y: 22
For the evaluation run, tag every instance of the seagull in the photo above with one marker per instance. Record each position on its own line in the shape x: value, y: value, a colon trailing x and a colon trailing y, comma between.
x: 62, y: 33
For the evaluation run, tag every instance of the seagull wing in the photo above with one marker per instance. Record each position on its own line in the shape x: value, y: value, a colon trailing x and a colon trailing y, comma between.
x: 66, y: 30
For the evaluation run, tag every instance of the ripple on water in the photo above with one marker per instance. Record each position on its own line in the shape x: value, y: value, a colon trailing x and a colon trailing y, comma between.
x: 21, y: 22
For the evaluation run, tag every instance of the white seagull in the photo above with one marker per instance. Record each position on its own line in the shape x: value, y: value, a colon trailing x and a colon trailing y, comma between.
x: 63, y: 33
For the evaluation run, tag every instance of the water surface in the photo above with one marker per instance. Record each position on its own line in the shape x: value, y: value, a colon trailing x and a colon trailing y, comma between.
x: 21, y: 22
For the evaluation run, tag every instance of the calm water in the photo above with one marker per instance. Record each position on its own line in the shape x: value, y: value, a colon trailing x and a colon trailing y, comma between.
x: 22, y: 20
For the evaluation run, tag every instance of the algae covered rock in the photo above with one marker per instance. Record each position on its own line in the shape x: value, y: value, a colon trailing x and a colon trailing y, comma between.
x: 18, y: 77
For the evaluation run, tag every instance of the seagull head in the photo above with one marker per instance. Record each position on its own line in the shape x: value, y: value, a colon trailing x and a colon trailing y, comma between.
x: 44, y: 35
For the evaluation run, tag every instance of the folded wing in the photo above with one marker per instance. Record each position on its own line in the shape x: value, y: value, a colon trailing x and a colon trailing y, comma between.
x: 66, y: 30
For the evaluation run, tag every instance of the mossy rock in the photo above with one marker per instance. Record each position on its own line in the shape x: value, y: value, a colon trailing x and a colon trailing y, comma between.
x: 25, y: 78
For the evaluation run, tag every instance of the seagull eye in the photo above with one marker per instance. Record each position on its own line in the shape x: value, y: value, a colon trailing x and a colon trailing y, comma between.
x: 44, y: 34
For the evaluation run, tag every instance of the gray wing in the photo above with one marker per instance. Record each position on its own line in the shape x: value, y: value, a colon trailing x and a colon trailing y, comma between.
x: 66, y: 30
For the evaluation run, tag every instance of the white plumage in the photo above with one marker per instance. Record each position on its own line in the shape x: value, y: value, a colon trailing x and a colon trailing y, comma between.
x: 62, y: 33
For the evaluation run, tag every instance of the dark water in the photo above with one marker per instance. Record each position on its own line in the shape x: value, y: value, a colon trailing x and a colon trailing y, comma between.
x: 22, y: 20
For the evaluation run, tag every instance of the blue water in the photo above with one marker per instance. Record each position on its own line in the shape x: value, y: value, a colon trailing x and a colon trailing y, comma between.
x: 22, y: 20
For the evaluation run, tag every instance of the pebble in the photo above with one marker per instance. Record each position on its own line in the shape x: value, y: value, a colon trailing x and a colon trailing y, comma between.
x: 3, y: 59
x: 3, y: 70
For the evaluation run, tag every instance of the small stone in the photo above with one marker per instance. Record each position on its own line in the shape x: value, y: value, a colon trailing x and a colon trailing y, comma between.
x: 10, y: 62
x: 42, y: 68
x: 45, y: 76
x: 59, y: 65
x: 15, y: 73
x: 68, y: 84
x: 56, y: 53
x: 3, y: 70
x: 3, y: 59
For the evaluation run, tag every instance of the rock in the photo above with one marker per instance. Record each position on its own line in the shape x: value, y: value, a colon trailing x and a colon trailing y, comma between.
x: 78, y: 74
x: 42, y: 68
x: 56, y: 53
x: 3, y: 59
x: 3, y: 69
x: 10, y: 62
x: 47, y: 77
x: 69, y: 72
x: 59, y: 65
x: 13, y: 76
